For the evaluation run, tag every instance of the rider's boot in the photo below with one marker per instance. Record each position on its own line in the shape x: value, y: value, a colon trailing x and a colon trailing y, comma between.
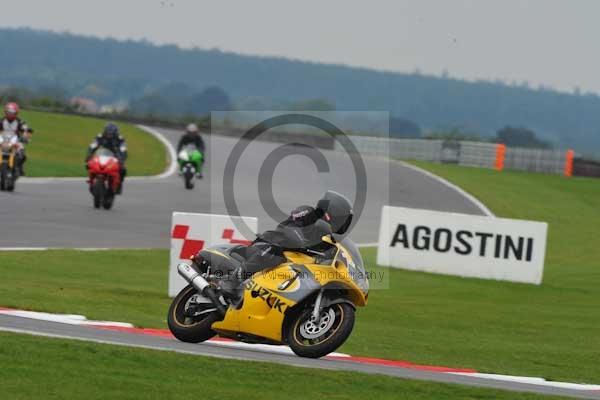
x: 123, y: 174
x: 231, y: 285
x: 20, y: 164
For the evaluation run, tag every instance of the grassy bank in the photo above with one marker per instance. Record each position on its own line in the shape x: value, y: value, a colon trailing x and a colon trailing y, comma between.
x: 34, y: 367
x: 60, y: 143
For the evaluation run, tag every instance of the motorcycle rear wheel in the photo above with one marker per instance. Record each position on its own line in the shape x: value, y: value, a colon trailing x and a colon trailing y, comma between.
x: 315, y: 339
x: 189, y: 180
x: 190, y: 329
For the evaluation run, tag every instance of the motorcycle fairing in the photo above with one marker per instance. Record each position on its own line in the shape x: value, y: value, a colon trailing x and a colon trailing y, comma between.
x: 267, y: 297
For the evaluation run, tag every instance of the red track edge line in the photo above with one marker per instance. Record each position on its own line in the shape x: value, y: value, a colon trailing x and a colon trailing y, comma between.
x: 399, y: 364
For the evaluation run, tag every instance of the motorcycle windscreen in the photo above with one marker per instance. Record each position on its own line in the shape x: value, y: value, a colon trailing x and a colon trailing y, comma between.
x: 190, y: 148
x: 104, y: 152
x: 351, y: 257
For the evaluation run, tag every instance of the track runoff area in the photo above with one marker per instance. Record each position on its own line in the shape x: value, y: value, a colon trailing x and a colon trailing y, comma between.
x: 422, y: 241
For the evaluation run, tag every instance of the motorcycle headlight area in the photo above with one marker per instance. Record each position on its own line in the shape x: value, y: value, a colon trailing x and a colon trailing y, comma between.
x: 183, y: 155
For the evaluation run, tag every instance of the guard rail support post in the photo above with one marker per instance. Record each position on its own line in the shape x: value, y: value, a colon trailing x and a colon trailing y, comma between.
x: 500, y: 154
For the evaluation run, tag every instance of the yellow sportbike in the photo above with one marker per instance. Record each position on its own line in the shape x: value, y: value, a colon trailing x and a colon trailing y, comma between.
x: 9, y: 173
x: 308, y: 301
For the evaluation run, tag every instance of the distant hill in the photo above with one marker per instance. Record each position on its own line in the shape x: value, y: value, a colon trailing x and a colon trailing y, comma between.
x: 110, y: 70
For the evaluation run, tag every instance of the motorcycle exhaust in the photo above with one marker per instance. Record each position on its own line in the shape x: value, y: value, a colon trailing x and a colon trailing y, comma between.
x: 192, y: 276
x: 188, y: 273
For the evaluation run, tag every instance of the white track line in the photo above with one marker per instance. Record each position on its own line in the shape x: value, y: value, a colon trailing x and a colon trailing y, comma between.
x: 362, y: 245
x: 452, y: 186
x: 111, y: 342
x: 170, y: 150
x: 532, y: 381
x: 75, y: 319
x: 69, y: 319
x: 264, y: 348
x: 24, y: 248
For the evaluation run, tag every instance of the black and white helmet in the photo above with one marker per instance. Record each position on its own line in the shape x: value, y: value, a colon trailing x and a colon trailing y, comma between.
x: 192, y: 128
x: 336, y: 209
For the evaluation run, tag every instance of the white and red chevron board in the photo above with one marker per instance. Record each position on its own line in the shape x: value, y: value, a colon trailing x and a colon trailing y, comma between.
x: 192, y: 232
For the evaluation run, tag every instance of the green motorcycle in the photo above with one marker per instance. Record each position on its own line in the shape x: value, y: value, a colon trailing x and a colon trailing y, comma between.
x: 190, y: 164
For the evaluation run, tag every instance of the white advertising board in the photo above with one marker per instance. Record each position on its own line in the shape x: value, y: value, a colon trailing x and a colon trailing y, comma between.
x: 191, y: 233
x: 463, y: 245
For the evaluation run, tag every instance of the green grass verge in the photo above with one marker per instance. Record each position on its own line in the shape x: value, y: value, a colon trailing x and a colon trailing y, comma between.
x: 35, y: 367
x: 60, y: 142
x: 500, y: 327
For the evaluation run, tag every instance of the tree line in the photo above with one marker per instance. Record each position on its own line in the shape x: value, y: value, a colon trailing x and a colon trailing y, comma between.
x: 137, y: 73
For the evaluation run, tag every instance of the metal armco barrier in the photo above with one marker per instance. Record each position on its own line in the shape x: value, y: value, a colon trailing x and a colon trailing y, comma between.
x: 582, y: 167
x: 475, y: 154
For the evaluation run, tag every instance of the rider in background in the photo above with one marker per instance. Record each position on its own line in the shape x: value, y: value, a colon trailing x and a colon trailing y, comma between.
x: 12, y: 123
x: 111, y: 139
x: 192, y: 136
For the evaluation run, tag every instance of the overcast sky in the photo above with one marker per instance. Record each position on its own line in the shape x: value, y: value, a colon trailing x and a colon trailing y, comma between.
x: 549, y: 42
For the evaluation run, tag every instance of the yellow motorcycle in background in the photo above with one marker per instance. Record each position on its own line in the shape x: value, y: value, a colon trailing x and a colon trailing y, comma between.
x: 307, y: 302
x: 9, y: 145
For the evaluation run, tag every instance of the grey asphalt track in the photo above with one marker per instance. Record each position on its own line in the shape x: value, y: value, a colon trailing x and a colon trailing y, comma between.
x: 58, y: 330
x: 59, y: 213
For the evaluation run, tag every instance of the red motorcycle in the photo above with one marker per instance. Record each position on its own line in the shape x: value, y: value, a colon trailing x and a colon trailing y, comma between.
x: 104, y: 177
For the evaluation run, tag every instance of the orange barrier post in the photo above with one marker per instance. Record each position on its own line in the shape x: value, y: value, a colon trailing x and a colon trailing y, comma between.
x: 500, y: 154
x: 569, y: 162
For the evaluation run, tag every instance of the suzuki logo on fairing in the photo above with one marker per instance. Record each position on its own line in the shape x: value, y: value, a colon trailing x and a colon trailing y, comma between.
x: 265, y: 294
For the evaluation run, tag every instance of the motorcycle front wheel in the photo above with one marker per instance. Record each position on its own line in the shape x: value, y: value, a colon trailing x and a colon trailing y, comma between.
x: 10, y: 181
x: 107, y: 202
x: 308, y: 337
x: 98, y: 192
x: 191, y: 321
x: 3, y: 178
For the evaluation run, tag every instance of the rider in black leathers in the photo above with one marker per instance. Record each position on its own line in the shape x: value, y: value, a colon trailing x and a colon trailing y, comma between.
x: 303, y: 230
x: 111, y: 139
